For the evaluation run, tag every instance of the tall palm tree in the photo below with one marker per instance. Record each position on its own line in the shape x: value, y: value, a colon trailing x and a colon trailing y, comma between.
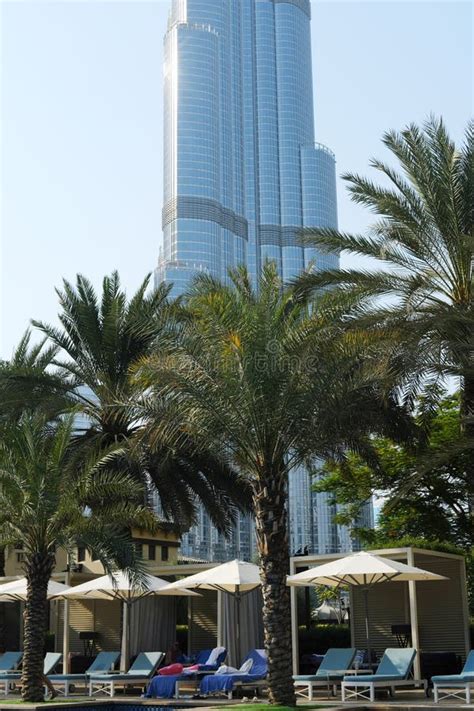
x: 100, y: 340
x: 50, y: 499
x: 258, y: 381
x: 417, y: 291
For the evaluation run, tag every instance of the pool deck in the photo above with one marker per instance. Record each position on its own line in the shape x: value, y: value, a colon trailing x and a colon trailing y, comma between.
x: 405, y: 701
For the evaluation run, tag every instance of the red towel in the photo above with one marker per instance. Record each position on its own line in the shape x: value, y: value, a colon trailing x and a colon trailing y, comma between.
x: 171, y: 670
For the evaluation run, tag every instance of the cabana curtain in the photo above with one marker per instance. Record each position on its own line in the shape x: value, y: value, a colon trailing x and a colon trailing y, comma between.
x: 251, y: 628
x: 152, y: 624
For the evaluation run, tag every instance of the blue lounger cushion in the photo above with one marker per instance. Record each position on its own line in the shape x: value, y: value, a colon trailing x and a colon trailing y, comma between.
x: 373, y: 677
x: 395, y: 665
x: 467, y: 674
x: 225, y: 682
x: 453, y: 679
x: 335, y: 660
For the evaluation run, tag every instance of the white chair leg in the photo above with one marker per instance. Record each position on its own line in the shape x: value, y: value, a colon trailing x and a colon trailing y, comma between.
x: 310, y: 691
x: 90, y: 688
x: 112, y: 689
x: 343, y: 691
x: 468, y: 694
x: 436, y: 694
x: 372, y: 692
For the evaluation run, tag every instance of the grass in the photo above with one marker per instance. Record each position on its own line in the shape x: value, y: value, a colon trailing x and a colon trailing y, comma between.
x: 256, y: 707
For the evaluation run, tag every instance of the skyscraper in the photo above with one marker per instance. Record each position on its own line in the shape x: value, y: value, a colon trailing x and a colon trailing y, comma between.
x: 242, y: 173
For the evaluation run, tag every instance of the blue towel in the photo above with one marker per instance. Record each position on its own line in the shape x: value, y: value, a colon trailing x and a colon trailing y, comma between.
x: 225, y: 682
x: 162, y: 687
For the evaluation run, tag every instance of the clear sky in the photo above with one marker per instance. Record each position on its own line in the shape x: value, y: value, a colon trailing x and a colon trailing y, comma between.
x: 81, y: 125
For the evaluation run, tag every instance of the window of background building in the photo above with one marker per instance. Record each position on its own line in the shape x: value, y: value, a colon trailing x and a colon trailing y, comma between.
x: 81, y: 553
x: 164, y: 552
x: 139, y: 549
x: 151, y: 551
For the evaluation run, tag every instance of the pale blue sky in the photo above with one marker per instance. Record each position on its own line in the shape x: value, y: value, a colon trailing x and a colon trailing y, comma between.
x: 81, y: 125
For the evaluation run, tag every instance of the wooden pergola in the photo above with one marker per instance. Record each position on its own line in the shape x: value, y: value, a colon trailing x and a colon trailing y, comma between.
x: 436, y: 613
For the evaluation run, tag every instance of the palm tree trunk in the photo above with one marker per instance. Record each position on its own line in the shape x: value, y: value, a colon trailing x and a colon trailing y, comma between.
x: 38, y: 573
x: 272, y: 542
x: 467, y: 425
x: 2, y: 604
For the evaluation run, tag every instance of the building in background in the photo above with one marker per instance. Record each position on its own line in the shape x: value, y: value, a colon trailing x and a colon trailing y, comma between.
x: 242, y: 176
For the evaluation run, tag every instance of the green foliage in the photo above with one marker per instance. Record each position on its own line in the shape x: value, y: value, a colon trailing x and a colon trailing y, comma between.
x: 415, y: 301
x: 320, y: 638
x: 50, y: 498
x: 102, y: 339
x: 425, y: 493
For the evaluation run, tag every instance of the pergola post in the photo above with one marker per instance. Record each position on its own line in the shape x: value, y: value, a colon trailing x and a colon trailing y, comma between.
x: 294, y: 623
x: 415, y: 637
x: 220, y: 619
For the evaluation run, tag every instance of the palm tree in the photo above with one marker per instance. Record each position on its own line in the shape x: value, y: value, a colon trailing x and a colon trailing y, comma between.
x: 100, y: 342
x: 417, y: 291
x: 261, y: 383
x: 50, y: 499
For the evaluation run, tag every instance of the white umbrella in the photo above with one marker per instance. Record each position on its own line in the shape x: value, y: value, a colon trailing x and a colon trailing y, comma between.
x: 119, y: 587
x: 16, y: 590
x: 363, y: 569
x: 235, y: 578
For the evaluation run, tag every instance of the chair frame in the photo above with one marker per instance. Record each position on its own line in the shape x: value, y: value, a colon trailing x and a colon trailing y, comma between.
x: 108, y: 685
x: 350, y: 689
x: 460, y: 690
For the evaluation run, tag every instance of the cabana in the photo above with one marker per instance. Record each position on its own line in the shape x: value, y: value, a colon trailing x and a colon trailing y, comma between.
x: 432, y: 616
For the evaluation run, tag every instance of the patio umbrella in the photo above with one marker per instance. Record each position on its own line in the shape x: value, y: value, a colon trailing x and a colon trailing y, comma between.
x: 119, y: 587
x: 235, y: 578
x: 15, y: 590
x: 365, y: 570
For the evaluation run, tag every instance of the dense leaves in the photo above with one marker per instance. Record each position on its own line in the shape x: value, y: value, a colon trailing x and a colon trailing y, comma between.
x: 265, y: 384
x: 416, y: 296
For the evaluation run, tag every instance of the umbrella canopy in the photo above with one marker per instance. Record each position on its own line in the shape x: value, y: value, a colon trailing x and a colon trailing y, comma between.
x: 119, y: 587
x: 362, y: 569
x: 235, y: 577
x: 16, y: 590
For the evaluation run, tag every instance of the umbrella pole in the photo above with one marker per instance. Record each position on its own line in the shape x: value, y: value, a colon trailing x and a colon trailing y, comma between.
x: 124, y: 657
x: 237, y: 625
x: 367, y: 624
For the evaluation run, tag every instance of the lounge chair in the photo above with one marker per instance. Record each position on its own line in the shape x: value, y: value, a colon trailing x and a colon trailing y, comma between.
x: 51, y: 661
x: 331, y: 670
x: 104, y: 662
x: 9, y: 661
x: 459, y: 686
x: 169, y: 686
x: 139, y: 674
x: 227, y: 683
x: 393, y: 671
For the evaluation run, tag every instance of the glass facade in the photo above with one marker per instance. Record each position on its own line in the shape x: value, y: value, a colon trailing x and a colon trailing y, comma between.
x: 243, y: 175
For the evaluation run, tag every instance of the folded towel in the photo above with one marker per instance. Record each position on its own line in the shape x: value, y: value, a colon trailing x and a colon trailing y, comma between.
x: 214, y: 655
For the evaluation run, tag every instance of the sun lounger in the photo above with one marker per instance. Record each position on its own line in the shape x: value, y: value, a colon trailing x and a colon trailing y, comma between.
x: 458, y: 686
x: 9, y: 661
x: 139, y: 674
x: 169, y: 686
x: 103, y: 663
x: 51, y: 661
x: 255, y: 678
x: 334, y: 665
x: 392, y: 672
